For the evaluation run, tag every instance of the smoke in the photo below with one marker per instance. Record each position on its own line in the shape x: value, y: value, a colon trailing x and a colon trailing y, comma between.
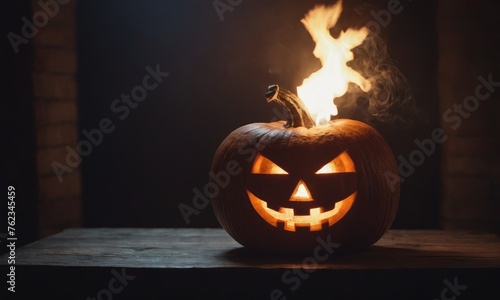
x: 391, y: 99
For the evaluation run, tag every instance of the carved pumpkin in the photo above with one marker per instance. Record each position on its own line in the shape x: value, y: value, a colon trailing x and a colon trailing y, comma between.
x: 297, y: 182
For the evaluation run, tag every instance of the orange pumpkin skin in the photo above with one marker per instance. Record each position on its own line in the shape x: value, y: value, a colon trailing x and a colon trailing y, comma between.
x: 301, y: 151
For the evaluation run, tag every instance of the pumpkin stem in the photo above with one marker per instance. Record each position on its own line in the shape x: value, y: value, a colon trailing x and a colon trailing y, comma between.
x: 299, y: 116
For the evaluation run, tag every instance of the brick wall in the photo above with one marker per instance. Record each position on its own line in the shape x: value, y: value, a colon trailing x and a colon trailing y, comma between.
x: 55, y: 101
x: 469, y: 47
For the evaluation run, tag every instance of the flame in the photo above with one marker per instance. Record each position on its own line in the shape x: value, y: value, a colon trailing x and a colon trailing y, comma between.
x: 331, y: 81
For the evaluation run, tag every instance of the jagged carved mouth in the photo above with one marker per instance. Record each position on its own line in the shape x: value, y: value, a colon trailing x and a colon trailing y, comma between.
x: 315, y: 220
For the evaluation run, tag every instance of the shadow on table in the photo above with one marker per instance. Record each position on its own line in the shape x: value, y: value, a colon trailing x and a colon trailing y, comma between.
x: 372, y: 257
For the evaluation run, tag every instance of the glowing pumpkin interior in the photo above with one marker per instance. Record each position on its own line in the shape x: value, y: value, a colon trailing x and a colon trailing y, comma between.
x: 337, y: 175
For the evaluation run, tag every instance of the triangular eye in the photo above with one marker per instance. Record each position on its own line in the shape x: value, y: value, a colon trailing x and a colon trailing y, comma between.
x: 263, y: 165
x: 341, y: 163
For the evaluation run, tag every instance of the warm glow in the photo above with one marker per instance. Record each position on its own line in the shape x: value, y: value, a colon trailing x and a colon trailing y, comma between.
x: 319, y: 90
x: 263, y: 165
x: 301, y: 193
x: 341, y: 163
x: 314, y: 220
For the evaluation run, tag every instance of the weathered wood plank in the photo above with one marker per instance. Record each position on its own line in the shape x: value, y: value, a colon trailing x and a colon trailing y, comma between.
x: 214, y: 248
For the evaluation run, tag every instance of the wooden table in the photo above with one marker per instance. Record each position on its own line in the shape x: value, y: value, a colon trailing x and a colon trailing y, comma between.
x: 122, y: 263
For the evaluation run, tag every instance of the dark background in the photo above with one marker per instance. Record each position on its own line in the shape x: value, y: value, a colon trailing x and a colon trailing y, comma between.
x: 18, y: 142
x: 219, y: 72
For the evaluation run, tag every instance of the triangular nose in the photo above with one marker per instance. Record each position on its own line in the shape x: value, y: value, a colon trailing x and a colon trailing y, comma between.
x: 301, y: 192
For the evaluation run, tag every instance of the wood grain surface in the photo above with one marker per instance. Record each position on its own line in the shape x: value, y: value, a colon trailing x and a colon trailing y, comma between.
x: 214, y: 248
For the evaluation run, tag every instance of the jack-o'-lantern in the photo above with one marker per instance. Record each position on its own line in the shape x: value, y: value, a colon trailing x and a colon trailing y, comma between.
x: 295, y: 184
x: 292, y: 183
